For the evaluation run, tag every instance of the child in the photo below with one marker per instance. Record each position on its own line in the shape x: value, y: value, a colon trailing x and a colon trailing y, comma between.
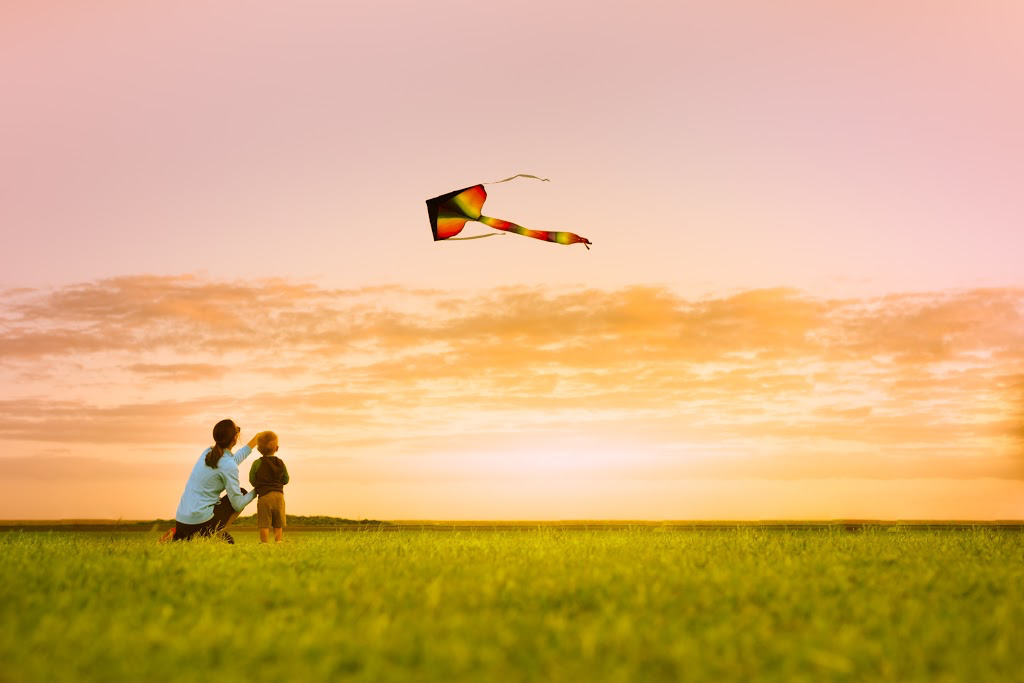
x: 268, y: 476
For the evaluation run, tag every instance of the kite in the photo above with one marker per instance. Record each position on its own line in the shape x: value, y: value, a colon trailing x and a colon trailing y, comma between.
x: 450, y: 212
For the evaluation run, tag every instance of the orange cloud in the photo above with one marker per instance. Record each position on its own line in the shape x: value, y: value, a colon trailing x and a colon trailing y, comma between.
x: 768, y: 383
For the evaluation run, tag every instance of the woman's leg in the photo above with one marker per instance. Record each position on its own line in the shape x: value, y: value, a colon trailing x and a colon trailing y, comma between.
x: 223, y: 516
x: 186, y: 532
x: 231, y: 518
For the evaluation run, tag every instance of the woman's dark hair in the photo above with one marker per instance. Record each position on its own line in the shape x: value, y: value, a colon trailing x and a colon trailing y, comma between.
x: 223, y: 434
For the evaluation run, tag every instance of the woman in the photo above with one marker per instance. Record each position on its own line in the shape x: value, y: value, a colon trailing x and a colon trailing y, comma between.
x: 201, y: 512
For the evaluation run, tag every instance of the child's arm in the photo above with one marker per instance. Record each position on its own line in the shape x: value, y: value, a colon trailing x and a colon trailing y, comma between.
x: 285, y: 478
x: 252, y: 471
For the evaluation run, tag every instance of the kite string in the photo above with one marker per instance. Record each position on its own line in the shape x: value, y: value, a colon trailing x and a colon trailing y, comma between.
x: 518, y: 175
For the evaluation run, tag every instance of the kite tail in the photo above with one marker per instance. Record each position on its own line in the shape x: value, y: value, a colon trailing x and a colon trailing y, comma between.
x: 544, y: 235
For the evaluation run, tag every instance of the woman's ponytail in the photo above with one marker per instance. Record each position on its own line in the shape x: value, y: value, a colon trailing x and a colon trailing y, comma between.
x: 223, y: 434
x: 214, y: 456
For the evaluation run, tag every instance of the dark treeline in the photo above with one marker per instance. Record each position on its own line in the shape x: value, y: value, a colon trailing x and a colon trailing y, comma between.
x: 311, y: 520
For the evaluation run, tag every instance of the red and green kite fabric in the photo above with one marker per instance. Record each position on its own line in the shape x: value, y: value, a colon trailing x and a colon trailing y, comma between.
x: 450, y: 212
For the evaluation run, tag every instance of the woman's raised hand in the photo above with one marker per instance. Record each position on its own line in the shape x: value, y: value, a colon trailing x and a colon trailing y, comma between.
x: 253, y: 440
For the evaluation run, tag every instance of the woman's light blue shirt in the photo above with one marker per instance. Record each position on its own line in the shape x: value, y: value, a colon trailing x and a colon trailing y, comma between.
x: 205, y: 485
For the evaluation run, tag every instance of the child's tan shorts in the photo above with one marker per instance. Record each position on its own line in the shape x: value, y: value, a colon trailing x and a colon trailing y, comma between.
x: 270, y: 510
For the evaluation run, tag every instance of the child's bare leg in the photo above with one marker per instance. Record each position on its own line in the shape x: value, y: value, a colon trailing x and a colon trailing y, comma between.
x: 278, y: 533
x: 264, y: 535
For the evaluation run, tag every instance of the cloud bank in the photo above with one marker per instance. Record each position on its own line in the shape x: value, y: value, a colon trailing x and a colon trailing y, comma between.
x: 398, y: 384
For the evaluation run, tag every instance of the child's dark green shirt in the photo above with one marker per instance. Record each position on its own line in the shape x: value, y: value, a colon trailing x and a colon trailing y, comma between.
x: 268, y: 474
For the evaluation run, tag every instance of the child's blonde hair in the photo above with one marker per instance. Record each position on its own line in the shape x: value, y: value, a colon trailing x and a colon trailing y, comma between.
x: 266, y: 444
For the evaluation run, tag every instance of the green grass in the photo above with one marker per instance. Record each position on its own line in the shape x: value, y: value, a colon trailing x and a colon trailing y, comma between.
x: 545, y: 605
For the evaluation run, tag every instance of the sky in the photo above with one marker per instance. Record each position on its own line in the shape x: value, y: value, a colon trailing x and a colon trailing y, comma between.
x: 804, y: 298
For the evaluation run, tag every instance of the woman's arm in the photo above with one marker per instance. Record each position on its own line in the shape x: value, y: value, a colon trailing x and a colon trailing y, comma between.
x: 253, y: 440
x: 238, y: 499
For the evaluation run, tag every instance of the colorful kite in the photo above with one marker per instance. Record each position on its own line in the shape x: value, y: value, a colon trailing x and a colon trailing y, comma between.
x: 450, y: 212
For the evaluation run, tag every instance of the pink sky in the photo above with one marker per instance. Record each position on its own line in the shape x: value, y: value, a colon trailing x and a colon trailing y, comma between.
x: 804, y: 298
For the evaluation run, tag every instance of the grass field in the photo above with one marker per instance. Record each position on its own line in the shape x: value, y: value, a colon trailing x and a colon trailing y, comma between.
x: 632, y: 605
